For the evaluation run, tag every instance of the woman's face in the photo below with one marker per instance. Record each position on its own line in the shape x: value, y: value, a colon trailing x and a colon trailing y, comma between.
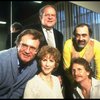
x: 47, y: 64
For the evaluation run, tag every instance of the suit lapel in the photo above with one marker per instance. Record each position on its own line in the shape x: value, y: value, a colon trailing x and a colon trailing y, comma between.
x: 55, y: 36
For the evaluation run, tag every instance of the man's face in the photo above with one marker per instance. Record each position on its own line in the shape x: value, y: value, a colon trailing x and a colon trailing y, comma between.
x: 48, y: 19
x: 28, y: 48
x: 82, y: 36
x: 79, y: 73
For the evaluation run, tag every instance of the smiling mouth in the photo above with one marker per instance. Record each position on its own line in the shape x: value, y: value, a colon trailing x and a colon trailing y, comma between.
x: 26, y: 56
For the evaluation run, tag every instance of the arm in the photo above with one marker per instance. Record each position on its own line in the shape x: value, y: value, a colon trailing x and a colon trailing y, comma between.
x: 67, y: 58
x: 97, y: 58
x: 67, y: 54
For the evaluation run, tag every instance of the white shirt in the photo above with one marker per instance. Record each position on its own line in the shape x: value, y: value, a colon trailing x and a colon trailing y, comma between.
x: 94, y: 92
x: 51, y: 35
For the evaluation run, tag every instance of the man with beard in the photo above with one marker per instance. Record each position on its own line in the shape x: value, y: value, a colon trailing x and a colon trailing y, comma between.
x: 82, y: 45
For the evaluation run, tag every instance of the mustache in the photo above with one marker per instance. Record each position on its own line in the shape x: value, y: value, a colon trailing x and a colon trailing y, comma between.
x: 81, y: 41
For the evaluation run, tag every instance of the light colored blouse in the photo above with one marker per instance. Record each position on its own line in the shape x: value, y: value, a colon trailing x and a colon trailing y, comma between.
x: 37, y: 88
x: 94, y: 92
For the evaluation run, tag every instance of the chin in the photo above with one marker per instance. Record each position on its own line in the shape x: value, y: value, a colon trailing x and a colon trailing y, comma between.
x: 25, y: 60
x: 78, y: 79
x: 81, y: 46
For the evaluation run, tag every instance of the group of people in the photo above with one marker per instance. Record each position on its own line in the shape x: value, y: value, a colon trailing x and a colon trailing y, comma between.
x: 37, y: 69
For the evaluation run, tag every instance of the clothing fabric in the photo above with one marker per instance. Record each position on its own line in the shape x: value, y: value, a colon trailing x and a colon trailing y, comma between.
x: 12, y: 85
x: 37, y: 88
x: 94, y: 92
x: 49, y: 37
x: 89, y: 52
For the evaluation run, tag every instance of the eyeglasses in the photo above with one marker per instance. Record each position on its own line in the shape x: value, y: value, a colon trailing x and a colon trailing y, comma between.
x: 25, y: 47
x: 48, y: 15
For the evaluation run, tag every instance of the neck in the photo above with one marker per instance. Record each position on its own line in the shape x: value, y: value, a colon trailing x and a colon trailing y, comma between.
x: 44, y: 76
x: 47, y: 28
x: 47, y: 79
x: 86, y: 85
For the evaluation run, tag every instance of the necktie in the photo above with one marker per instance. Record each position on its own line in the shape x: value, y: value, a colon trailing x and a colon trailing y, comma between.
x: 49, y: 38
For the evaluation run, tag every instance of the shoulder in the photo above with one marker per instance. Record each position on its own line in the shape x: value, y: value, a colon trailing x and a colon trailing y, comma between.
x: 95, y: 82
x: 8, y: 52
x: 68, y: 42
x: 96, y: 44
x: 33, y: 80
x: 58, y: 32
x: 55, y: 78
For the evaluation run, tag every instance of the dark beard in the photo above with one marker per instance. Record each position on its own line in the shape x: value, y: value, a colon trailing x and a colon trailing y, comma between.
x: 77, y: 48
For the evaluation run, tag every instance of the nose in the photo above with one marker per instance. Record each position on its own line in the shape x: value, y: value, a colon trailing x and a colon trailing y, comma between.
x: 50, y: 16
x: 47, y: 63
x: 27, y: 50
x: 81, y: 37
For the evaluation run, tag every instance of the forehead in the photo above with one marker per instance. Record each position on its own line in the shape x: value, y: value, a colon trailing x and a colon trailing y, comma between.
x: 28, y: 39
x: 48, y: 55
x: 49, y: 9
x: 76, y: 66
x: 82, y: 30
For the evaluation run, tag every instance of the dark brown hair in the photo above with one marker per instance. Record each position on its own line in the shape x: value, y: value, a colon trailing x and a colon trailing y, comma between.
x: 36, y: 35
x: 82, y: 62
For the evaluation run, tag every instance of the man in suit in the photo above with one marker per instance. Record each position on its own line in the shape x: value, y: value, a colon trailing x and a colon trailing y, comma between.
x: 48, y: 18
x: 18, y: 64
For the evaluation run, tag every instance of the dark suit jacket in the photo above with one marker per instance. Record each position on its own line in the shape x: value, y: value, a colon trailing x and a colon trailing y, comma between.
x: 12, y: 85
x: 58, y: 40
